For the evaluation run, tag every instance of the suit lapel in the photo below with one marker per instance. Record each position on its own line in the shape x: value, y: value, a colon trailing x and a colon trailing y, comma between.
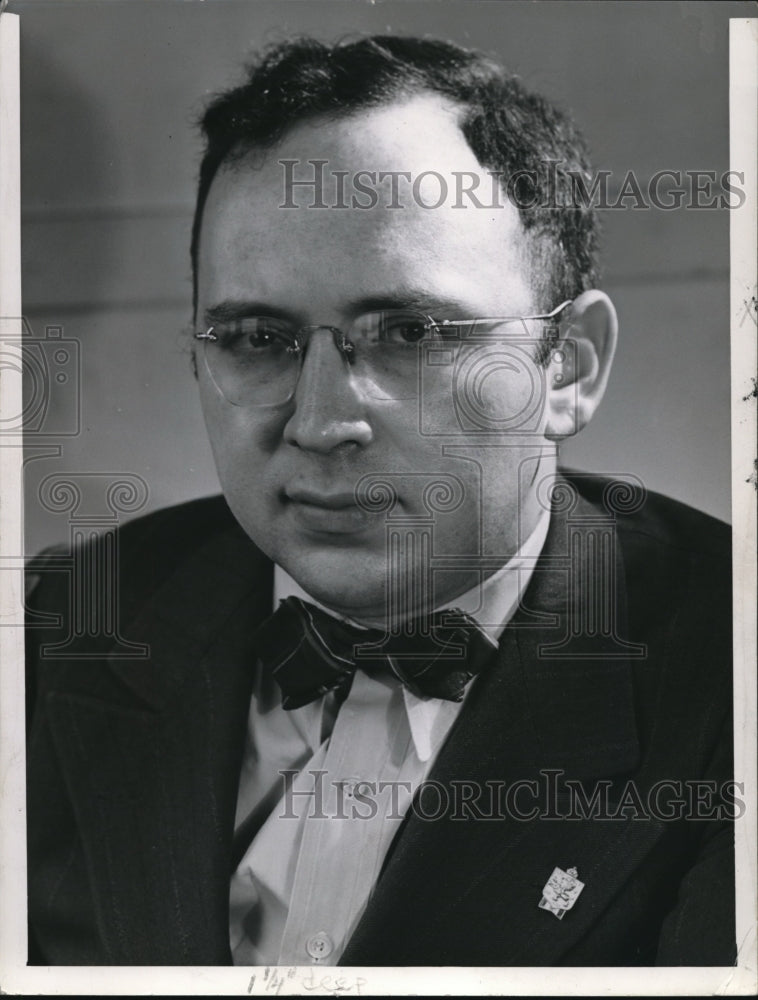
x: 153, y: 768
x: 465, y: 890
x: 453, y: 891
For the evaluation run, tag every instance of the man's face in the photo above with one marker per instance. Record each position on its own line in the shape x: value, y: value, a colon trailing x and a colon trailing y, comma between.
x: 290, y: 471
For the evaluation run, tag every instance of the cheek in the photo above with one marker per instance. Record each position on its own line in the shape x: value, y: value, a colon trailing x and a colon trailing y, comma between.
x: 492, y: 390
x: 501, y: 389
x: 240, y: 438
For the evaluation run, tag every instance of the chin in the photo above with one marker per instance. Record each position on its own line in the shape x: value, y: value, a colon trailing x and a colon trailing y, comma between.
x: 350, y: 582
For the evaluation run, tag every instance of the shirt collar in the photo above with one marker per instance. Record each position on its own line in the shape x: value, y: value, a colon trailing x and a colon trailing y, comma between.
x: 492, y: 603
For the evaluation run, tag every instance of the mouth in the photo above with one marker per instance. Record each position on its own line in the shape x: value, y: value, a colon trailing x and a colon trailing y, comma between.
x: 331, y: 513
x: 340, y: 500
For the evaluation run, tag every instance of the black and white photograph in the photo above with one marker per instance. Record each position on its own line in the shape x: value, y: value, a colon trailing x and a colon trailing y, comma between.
x: 378, y: 435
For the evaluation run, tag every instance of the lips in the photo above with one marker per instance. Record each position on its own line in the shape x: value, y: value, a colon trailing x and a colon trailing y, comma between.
x: 341, y: 500
x: 333, y: 512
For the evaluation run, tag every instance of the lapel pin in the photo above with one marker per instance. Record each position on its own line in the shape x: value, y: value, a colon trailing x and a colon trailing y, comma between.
x: 561, y: 891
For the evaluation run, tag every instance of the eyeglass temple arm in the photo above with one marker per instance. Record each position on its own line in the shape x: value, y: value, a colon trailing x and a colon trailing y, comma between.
x: 551, y: 317
x: 500, y: 319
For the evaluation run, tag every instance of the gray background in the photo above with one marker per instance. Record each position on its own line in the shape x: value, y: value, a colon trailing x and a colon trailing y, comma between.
x: 110, y: 92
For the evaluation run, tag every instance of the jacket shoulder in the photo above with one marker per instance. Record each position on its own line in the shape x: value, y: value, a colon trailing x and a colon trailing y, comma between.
x: 194, y: 520
x: 675, y: 525
x: 165, y: 534
x: 168, y: 554
x: 144, y: 553
x: 676, y: 562
x: 659, y: 521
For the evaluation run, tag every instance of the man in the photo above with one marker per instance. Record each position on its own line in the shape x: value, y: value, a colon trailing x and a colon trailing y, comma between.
x: 489, y: 720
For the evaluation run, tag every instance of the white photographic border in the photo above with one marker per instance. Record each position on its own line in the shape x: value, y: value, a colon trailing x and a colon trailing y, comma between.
x: 17, y: 978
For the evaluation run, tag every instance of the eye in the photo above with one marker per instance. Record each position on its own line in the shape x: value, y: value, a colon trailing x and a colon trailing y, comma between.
x: 403, y: 328
x: 255, y: 334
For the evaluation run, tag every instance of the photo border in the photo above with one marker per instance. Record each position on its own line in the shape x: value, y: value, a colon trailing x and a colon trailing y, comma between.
x: 16, y: 977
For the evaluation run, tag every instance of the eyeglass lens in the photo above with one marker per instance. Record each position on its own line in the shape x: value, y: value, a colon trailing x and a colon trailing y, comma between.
x: 256, y: 360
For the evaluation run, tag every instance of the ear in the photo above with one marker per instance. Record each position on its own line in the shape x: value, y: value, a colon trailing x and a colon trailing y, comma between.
x: 579, y: 364
x: 191, y: 345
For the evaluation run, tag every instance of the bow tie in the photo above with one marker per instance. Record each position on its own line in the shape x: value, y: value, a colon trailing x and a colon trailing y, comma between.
x: 310, y: 652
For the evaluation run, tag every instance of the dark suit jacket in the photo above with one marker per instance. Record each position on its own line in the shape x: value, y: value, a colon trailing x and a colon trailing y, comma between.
x: 133, y: 764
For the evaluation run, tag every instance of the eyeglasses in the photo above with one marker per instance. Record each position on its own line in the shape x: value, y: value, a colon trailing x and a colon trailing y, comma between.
x: 256, y: 360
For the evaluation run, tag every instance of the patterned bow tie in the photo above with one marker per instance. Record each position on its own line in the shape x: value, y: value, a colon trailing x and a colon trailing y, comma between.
x: 310, y: 652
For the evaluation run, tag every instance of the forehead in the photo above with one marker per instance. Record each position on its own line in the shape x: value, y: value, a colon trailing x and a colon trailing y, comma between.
x: 416, y: 146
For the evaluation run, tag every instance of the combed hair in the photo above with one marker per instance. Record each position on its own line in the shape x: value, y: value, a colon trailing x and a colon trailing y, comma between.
x: 509, y: 129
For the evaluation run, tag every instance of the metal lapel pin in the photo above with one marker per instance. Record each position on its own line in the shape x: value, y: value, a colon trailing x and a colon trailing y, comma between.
x: 561, y: 891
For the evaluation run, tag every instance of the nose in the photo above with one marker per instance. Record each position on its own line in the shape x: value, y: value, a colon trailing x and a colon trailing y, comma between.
x: 329, y: 408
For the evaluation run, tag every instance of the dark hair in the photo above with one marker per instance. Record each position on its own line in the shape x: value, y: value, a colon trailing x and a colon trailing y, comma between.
x: 509, y: 129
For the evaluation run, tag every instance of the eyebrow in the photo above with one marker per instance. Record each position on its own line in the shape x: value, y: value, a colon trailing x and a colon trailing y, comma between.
x: 401, y: 298
x: 410, y: 298
x: 432, y: 300
x: 231, y: 309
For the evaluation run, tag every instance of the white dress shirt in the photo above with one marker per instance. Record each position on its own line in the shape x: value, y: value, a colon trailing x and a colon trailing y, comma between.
x: 320, y: 831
